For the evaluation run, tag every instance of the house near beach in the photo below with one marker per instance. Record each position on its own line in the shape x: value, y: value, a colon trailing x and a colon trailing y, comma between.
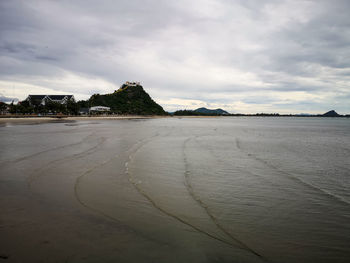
x: 35, y: 100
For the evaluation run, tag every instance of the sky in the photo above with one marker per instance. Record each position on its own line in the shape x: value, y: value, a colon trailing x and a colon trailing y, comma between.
x: 244, y: 56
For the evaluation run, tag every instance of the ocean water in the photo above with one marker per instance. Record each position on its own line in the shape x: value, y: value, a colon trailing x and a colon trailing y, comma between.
x: 176, y: 190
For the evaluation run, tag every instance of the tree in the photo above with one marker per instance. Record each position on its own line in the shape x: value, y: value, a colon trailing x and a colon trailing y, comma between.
x: 72, y: 108
x: 3, y: 106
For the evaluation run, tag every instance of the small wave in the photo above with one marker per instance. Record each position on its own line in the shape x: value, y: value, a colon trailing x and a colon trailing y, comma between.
x: 197, y: 199
x: 98, y: 211
x: 36, y: 174
x: 295, y: 177
x: 50, y: 150
x: 137, y: 186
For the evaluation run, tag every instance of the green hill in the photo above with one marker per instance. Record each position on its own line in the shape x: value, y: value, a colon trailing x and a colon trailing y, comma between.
x: 201, y: 112
x: 213, y: 112
x: 129, y: 99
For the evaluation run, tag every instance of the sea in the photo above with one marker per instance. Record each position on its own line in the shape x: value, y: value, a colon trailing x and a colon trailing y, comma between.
x: 216, y: 189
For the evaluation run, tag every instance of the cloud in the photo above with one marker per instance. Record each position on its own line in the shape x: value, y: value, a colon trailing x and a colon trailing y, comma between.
x: 7, y: 99
x: 229, y: 53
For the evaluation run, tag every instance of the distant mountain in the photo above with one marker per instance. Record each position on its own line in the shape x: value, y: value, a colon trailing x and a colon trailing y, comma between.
x: 129, y: 99
x: 212, y: 112
x: 304, y: 114
x: 331, y: 113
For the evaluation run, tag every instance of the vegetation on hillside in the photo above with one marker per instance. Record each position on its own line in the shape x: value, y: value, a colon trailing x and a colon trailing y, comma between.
x: 126, y: 100
x: 187, y: 113
x: 199, y: 112
x: 211, y: 112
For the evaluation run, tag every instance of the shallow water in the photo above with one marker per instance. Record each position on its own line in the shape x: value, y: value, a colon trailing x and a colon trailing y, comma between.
x: 176, y: 190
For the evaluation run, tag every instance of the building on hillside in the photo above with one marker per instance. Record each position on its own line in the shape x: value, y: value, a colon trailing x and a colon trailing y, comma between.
x: 132, y: 84
x: 36, y: 100
x: 99, y: 109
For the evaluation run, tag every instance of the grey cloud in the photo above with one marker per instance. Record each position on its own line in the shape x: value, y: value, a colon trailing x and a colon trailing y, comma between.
x: 324, y: 40
x: 161, y: 43
x: 47, y: 58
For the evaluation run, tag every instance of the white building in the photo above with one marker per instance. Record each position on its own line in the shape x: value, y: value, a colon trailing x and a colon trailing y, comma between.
x: 132, y: 84
x: 99, y: 109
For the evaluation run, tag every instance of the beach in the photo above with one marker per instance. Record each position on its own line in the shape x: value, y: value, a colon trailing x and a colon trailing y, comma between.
x: 19, y: 120
x: 73, y: 118
x: 143, y: 189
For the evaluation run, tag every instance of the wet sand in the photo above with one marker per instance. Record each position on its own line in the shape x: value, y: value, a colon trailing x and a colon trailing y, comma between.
x: 75, y: 118
x: 38, y: 120
x: 66, y: 197
x: 174, y: 190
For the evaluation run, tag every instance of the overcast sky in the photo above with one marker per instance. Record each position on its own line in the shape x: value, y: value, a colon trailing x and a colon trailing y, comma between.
x: 240, y: 55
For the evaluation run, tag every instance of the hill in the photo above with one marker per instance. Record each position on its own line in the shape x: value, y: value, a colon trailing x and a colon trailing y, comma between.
x: 201, y: 112
x: 129, y: 99
x: 211, y: 112
x: 331, y: 113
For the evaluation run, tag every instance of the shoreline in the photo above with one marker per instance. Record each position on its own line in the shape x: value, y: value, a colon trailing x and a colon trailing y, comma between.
x: 73, y: 118
x: 21, y: 119
x: 14, y: 119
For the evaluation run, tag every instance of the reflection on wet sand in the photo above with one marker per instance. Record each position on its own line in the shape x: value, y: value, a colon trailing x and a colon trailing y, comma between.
x: 174, y: 190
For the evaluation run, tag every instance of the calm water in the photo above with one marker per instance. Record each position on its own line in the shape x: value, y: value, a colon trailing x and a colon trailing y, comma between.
x: 176, y: 190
